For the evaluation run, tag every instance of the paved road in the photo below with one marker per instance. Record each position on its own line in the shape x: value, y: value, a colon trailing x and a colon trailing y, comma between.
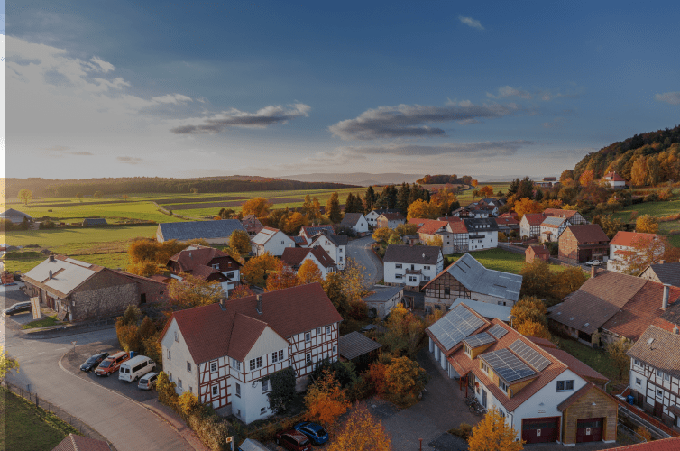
x: 360, y: 251
x: 123, y: 422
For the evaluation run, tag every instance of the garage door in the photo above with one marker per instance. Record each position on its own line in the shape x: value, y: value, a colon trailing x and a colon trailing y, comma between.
x: 541, y: 430
x: 589, y: 430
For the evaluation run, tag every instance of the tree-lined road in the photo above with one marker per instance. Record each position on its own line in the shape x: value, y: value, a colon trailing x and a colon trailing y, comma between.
x: 360, y: 251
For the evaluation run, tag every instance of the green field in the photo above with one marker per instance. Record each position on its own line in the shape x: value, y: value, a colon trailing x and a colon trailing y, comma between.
x: 27, y: 428
x: 661, y: 208
x: 499, y: 260
x: 465, y: 197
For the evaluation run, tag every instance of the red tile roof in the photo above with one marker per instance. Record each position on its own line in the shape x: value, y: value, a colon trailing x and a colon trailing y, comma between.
x: 632, y: 238
x: 188, y: 260
x: 535, y: 219
x: 666, y: 444
x: 432, y: 226
x: 506, y: 221
x: 209, y: 330
x: 589, y: 233
x: 295, y: 255
x: 614, y: 176
x: 78, y: 443
x: 455, y: 223
x: 538, y: 249
x: 542, y: 342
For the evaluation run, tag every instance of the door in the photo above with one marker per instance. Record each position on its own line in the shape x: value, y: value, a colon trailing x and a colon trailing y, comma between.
x: 658, y: 409
x: 541, y: 430
x: 589, y: 430
x: 484, y: 398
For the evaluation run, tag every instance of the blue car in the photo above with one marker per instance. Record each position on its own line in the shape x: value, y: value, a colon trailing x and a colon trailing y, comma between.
x: 314, y: 432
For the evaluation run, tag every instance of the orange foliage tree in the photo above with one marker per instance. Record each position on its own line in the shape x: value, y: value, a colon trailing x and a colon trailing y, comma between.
x: 527, y: 206
x: 646, y: 224
x: 258, y: 206
x: 145, y: 268
x: 309, y: 272
x: 361, y: 432
x: 494, y: 434
x: 586, y: 178
x: 531, y: 328
x: 474, y: 183
x: 284, y: 277
x: 256, y: 270
x: 326, y: 400
x: 486, y: 191
x: 376, y: 376
x: 241, y: 291
x: 404, y: 380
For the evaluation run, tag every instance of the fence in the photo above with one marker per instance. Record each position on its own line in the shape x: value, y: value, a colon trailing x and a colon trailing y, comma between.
x: 47, y: 406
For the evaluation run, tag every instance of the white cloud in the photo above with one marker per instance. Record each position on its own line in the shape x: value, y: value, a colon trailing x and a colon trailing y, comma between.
x: 173, y: 99
x: 263, y: 117
x: 471, y: 22
x: 671, y: 98
x: 509, y: 91
x: 104, y: 66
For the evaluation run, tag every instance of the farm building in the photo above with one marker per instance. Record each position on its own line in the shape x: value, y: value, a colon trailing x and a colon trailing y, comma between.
x: 93, y: 222
x: 357, y: 348
x: 296, y: 256
x: 537, y: 251
x: 214, y: 232
x: 382, y: 299
x: 664, y: 272
x: 582, y: 243
x: 15, y: 216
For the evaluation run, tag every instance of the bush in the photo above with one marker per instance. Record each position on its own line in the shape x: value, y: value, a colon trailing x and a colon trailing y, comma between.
x: 211, y: 430
x: 47, y: 224
x: 166, y: 391
x: 463, y: 431
x: 187, y: 404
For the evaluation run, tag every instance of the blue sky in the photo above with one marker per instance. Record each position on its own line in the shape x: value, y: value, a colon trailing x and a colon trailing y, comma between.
x: 101, y: 89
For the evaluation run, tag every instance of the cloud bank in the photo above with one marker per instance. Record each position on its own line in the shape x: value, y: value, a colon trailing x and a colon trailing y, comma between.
x: 671, y: 98
x: 268, y: 115
x: 471, y: 22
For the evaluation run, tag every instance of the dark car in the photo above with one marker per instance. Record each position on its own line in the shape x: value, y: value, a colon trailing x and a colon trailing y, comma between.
x: 314, y: 432
x: 18, y: 308
x: 93, y: 362
x: 293, y: 440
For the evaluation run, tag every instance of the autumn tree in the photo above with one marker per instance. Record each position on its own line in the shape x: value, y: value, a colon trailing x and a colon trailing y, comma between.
x: 618, y: 353
x: 424, y: 209
x: 226, y: 213
x: 256, y: 270
x: 531, y: 328
x: 353, y: 280
x: 610, y: 226
x: 404, y: 380
x: 566, y: 282
x: 25, y: 195
x: 646, y: 224
x: 435, y: 241
x: 149, y: 250
x: 326, y: 400
x: 529, y: 309
x: 283, y: 277
x: 639, y: 172
x: 486, y: 191
x: 645, y: 250
x: 406, y: 229
x: 144, y: 269
x: 526, y: 206
x: 309, y: 272
x: 474, y: 183
x: 7, y: 364
x: 586, y: 177
x: 493, y: 433
x: 361, y: 432
x: 241, y: 291
x: 333, y: 211
x: 382, y: 234
x: 333, y: 288
x: 166, y: 390
x: 404, y: 332
x: 258, y: 206
x: 194, y: 292
x: 536, y: 278
x: 239, y: 241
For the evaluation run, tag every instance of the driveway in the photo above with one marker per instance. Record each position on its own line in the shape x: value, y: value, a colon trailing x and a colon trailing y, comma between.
x: 360, y: 251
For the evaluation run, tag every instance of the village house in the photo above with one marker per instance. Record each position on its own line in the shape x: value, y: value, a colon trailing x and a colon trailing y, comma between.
x: 356, y: 222
x: 372, y: 217
x: 382, y: 299
x: 15, y: 216
x: 335, y: 246
x: 623, y: 247
x: 460, y: 238
x: 536, y: 251
x: 469, y: 279
x: 610, y: 306
x: 574, y: 217
x: 223, y: 352
x: 530, y: 225
x: 80, y: 291
x: 213, y: 232
x: 390, y: 220
x: 411, y: 265
x: 614, y: 180
x: 271, y: 240
x: 296, y: 256
x: 664, y: 272
x: 300, y: 240
x: 583, y: 243
x: 207, y: 263
x: 310, y: 232
x: 551, y: 228
x: 482, y: 233
x: 507, y: 224
x: 431, y: 231
x: 252, y: 225
x: 544, y: 398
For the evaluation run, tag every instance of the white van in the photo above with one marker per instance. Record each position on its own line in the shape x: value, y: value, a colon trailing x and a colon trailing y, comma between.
x: 135, y: 368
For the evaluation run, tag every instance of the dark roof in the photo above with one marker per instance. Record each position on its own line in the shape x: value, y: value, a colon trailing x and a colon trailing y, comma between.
x: 667, y: 272
x: 382, y: 294
x: 78, y: 443
x: 299, y: 240
x: 94, y: 221
x: 211, y: 332
x: 588, y: 233
x: 353, y: 345
x: 11, y: 212
x: 659, y: 348
x: 351, y: 219
x: 184, y: 231
x: 189, y: 259
x: 474, y: 225
x: 338, y: 240
x: 403, y: 253
x: 310, y: 231
x: 251, y: 224
x: 382, y: 211
x: 393, y: 216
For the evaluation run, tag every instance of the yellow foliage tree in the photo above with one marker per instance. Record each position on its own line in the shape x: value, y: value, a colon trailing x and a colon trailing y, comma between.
x: 486, y: 191
x: 7, y: 364
x: 474, y: 183
x: 187, y: 403
x: 404, y: 379
x: 586, y: 177
x: 361, y: 432
x: 419, y: 209
x: 494, y: 434
x: 326, y: 400
x: 529, y: 309
x: 194, y: 292
x: 283, y: 277
x: 258, y: 206
x: 639, y: 172
x: 309, y: 272
x: 531, y: 328
x: 646, y: 224
x: 256, y: 269
x: 382, y: 234
x: 527, y: 206
x: 239, y: 241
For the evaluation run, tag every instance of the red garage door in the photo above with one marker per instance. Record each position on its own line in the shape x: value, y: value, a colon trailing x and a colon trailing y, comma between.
x: 541, y: 430
x: 589, y: 430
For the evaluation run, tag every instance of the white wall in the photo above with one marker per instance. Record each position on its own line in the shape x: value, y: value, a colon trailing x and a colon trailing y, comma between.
x: 275, y: 245
x: 391, y: 271
x: 337, y: 253
x: 361, y: 226
x: 176, y: 365
x: 322, y: 268
x: 489, y: 240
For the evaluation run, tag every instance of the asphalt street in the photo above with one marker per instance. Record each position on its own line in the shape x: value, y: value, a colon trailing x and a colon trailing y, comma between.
x: 360, y: 251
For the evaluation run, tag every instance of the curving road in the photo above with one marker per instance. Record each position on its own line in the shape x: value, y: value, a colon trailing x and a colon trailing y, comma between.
x: 360, y: 251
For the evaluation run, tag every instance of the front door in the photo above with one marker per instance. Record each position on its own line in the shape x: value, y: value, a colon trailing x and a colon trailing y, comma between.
x: 658, y: 409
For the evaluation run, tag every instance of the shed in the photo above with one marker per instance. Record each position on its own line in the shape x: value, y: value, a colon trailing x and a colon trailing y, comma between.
x: 536, y: 251
x: 357, y: 348
x: 15, y: 216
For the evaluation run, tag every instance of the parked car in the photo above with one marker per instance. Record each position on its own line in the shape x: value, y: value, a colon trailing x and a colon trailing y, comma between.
x: 593, y: 263
x: 293, y: 440
x: 93, y: 362
x: 135, y: 368
x: 19, y: 307
x: 148, y: 381
x: 314, y: 432
x: 111, y: 364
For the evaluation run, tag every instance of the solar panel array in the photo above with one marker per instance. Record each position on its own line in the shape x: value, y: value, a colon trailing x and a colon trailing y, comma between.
x: 507, y: 365
x: 498, y: 331
x: 480, y: 339
x: 530, y: 355
x: 455, y: 326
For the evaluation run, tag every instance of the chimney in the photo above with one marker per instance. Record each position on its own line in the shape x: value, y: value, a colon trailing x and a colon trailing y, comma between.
x: 666, y: 294
x: 593, y: 271
x: 52, y: 258
x: 50, y: 274
x: 223, y: 302
x: 676, y: 331
x: 259, y: 304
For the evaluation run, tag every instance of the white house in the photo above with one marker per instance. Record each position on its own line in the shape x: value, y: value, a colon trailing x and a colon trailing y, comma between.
x: 482, y: 233
x: 411, y: 265
x: 296, y: 256
x: 543, y: 393
x: 335, y: 246
x: 390, y: 220
x: 310, y: 232
x: 574, y: 217
x: 614, y: 180
x: 222, y: 352
x: 623, y: 246
x: 356, y: 221
x: 271, y: 240
x: 551, y: 228
x: 372, y: 217
x: 530, y: 225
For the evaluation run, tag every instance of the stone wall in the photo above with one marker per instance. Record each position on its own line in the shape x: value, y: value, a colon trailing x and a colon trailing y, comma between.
x: 104, y: 295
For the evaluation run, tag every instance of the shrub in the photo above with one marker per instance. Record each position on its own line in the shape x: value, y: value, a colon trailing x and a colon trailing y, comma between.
x: 47, y: 224
x: 187, y: 404
x: 128, y: 337
x: 644, y: 433
x: 462, y: 431
x: 211, y: 430
x: 166, y: 391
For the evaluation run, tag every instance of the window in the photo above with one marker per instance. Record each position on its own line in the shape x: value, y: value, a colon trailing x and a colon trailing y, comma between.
x: 179, y: 383
x: 333, y: 348
x: 258, y: 362
x: 666, y: 377
x: 255, y: 363
x: 309, y: 358
x: 216, y: 266
x: 468, y: 351
x: 328, y: 329
x: 659, y: 393
x: 236, y: 364
x: 177, y: 336
x: 340, y: 258
x: 426, y: 267
x: 503, y: 386
x: 213, y: 367
x: 188, y: 367
x: 281, y: 355
x: 252, y: 364
x: 397, y: 265
x: 308, y: 336
x: 485, y: 368
x: 238, y: 389
x: 215, y: 389
x: 168, y: 353
x: 318, y: 331
x: 397, y: 276
x: 265, y: 386
x: 447, y: 291
x: 170, y: 376
x: 275, y: 357
x: 638, y: 381
x: 190, y: 389
x: 565, y: 385
x: 340, y: 252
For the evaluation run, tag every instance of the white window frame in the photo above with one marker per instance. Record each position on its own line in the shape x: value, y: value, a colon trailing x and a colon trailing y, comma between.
x: 237, y: 389
x: 215, y: 390
x: 213, y: 367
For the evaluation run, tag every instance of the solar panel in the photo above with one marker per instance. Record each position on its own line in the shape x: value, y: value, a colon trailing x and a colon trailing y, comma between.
x: 507, y: 365
x: 479, y: 340
x: 529, y: 355
x: 453, y: 327
x: 498, y: 331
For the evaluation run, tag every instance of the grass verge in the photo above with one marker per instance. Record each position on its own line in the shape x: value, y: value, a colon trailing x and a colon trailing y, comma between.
x: 42, y: 322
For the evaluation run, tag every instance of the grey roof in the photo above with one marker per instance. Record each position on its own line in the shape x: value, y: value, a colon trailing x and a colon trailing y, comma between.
x: 11, y: 212
x: 403, y: 253
x: 338, y: 240
x: 475, y: 277
x: 310, y: 231
x: 486, y: 309
x: 381, y: 211
x: 455, y: 326
x: 667, y: 272
x: 250, y: 444
x: 537, y: 361
x: 355, y: 344
x: 475, y: 225
x: 94, y: 221
x: 498, y: 331
x: 351, y: 219
x: 62, y: 275
x: 554, y: 221
x: 383, y: 294
x: 183, y: 231
x: 660, y: 349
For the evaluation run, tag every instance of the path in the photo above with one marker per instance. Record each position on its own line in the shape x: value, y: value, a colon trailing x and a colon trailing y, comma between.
x: 360, y: 251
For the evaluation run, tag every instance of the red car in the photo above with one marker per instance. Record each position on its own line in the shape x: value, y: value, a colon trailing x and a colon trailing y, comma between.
x: 111, y: 364
x: 293, y: 440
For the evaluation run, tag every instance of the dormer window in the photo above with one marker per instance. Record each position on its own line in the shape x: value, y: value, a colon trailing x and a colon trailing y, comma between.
x: 485, y: 368
x: 503, y: 386
x: 468, y: 351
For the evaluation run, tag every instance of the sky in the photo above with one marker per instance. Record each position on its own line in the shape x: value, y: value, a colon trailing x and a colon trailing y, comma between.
x: 273, y: 88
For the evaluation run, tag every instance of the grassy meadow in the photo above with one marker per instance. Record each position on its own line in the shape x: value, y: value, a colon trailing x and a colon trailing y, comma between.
x: 660, y: 208
x: 499, y: 260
